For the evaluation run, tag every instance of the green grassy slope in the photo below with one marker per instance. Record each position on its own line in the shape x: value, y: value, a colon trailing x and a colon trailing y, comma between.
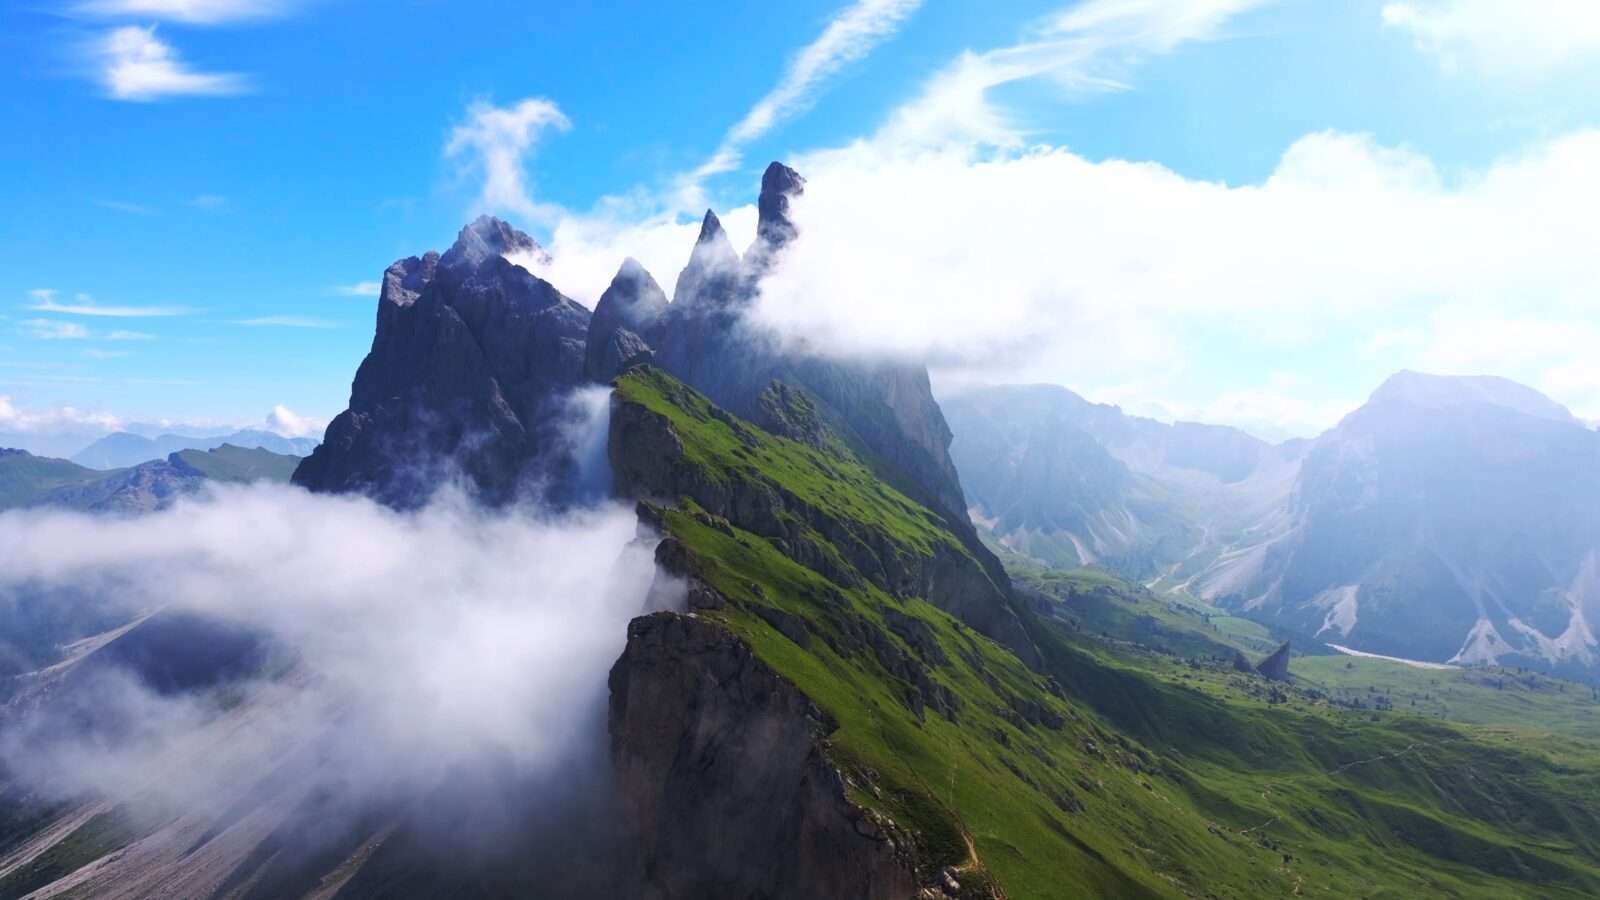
x: 240, y: 464
x: 26, y: 479
x: 1100, y: 776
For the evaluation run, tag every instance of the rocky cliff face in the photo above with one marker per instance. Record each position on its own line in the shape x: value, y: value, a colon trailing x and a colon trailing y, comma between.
x: 466, y: 381
x: 627, y: 323
x: 722, y: 769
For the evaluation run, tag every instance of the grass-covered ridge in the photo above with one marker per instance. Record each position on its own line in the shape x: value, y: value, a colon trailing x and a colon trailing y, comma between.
x: 1094, y: 775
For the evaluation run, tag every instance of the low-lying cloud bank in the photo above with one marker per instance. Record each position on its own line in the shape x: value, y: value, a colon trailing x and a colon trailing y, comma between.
x: 407, y: 649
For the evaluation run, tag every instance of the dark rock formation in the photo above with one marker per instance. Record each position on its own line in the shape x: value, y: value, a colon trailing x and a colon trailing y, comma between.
x: 627, y: 323
x: 723, y: 773
x: 1276, y: 666
x: 1242, y: 664
x: 467, y: 380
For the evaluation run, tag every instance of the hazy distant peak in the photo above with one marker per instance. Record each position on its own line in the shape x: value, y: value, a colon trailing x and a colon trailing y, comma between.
x: 1442, y: 391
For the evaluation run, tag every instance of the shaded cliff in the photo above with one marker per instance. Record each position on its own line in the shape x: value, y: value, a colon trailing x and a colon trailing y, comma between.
x: 467, y: 380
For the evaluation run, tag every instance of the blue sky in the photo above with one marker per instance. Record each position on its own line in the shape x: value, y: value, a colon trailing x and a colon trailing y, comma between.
x: 200, y: 186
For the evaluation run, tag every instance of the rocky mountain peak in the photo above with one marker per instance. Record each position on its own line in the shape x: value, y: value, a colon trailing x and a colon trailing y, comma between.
x: 627, y: 322
x: 485, y: 238
x: 778, y: 184
x: 712, y: 275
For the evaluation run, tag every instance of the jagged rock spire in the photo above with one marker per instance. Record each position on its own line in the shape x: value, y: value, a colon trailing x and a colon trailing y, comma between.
x: 778, y: 184
x: 712, y: 275
x: 627, y: 322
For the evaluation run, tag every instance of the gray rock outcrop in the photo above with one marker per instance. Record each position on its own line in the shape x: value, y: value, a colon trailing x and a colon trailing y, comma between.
x: 724, y: 777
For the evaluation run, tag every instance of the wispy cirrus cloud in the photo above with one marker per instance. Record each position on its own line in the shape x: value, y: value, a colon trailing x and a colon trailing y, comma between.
x: 848, y: 37
x: 53, y: 330
x: 359, y: 289
x: 495, y: 142
x: 123, y: 206
x: 44, y: 300
x: 188, y: 12
x: 286, y: 322
x: 134, y: 64
x: 1092, y: 46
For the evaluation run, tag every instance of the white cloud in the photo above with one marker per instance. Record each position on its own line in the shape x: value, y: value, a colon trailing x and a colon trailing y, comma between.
x: 189, y: 12
x: 287, y: 322
x: 849, y: 36
x: 135, y: 65
x: 15, y: 418
x: 1041, y: 265
x: 450, y: 632
x: 1090, y: 47
x: 209, y: 202
x: 53, y: 330
x: 495, y: 142
x: 122, y: 206
x: 93, y: 353
x: 85, y: 305
x: 1500, y: 37
x: 123, y: 335
x: 286, y: 422
x: 359, y: 289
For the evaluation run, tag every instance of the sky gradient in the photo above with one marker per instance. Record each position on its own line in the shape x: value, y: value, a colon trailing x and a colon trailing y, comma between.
x: 1242, y: 211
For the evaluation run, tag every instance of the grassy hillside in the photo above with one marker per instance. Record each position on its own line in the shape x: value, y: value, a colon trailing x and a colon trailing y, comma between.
x: 241, y: 464
x: 1099, y: 776
x: 26, y: 479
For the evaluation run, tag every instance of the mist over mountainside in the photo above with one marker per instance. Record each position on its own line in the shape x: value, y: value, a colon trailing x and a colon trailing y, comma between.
x: 717, y: 627
x: 1448, y: 519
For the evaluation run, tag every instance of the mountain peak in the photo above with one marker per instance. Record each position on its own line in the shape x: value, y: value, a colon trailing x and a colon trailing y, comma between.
x: 710, y: 229
x: 1427, y: 391
x: 778, y: 184
x: 484, y: 238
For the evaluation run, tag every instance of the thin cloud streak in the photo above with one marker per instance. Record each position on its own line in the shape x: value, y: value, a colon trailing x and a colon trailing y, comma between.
x: 286, y: 322
x: 849, y: 37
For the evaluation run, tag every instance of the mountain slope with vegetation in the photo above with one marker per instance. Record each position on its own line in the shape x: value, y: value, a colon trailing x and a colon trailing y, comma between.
x: 1081, y: 774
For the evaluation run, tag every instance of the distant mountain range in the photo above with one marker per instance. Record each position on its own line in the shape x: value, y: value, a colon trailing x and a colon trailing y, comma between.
x: 27, y: 480
x: 1448, y: 519
x: 124, y: 448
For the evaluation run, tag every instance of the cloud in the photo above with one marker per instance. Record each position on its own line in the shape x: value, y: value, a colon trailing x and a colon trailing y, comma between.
x: 134, y: 209
x: 93, y: 353
x: 1037, y: 264
x: 53, y: 330
x: 451, y: 632
x: 851, y: 35
x: 359, y: 289
x: 1090, y: 47
x: 1500, y: 37
x: 286, y: 422
x: 287, y: 322
x: 135, y: 65
x: 44, y: 301
x: 122, y: 335
x: 15, y: 418
x: 188, y: 12
x: 495, y: 143
x: 209, y: 202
